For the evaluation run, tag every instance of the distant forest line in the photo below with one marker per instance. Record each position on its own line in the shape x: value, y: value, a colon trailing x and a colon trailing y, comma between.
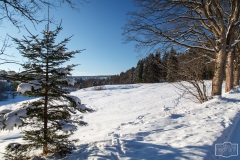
x: 169, y: 66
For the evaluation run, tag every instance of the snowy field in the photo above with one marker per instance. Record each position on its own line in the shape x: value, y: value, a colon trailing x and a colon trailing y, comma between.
x: 147, y: 121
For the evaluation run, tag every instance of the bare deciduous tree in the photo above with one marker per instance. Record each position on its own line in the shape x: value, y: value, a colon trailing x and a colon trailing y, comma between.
x: 17, y: 12
x: 192, y: 73
x: 201, y: 24
x: 236, y: 64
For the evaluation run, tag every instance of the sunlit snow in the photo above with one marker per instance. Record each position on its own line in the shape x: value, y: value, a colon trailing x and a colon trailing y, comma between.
x: 146, y: 121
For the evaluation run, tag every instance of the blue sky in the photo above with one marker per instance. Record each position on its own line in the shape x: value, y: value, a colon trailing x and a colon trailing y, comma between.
x: 96, y: 28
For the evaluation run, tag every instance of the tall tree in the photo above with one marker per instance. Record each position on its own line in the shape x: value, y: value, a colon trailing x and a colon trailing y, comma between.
x: 204, y: 24
x: 172, y: 66
x: 138, y: 73
x: 49, y: 117
x: 164, y: 65
x: 152, y: 77
x: 236, y: 74
x: 132, y: 74
x: 145, y: 73
x: 157, y: 63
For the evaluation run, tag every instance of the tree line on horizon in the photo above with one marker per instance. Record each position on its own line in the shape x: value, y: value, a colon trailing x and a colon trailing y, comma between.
x: 155, y: 68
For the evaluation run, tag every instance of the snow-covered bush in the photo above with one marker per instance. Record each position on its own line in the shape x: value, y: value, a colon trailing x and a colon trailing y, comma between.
x: 49, y: 118
x: 97, y: 86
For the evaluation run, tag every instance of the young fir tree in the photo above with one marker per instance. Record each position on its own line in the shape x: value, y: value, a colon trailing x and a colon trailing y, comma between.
x: 48, y: 119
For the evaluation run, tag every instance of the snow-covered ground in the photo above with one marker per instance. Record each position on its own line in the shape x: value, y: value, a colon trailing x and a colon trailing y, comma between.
x: 148, y: 121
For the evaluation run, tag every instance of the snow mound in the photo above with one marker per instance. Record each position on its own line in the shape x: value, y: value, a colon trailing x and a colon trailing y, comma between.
x: 12, y: 119
x: 24, y: 87
x: 82, y: 106
x: 66, y: 127
x: 75, y: 99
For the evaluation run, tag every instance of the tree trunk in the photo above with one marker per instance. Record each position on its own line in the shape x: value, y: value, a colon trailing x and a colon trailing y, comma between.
x: 229, y: 71
x: 45, y: 146
x: 45, y: 134
x: 236, y: 76
x: 45, y: 149
x: 218, y: 72
x: 236, y: 72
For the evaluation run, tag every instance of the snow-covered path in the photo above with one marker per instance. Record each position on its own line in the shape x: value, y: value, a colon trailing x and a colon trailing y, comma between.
x: 231, y: 132
x: 148, y: 121
x: 235, y: 138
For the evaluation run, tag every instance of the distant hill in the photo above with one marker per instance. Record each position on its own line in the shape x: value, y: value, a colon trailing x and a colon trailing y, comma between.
x: 92, y: 77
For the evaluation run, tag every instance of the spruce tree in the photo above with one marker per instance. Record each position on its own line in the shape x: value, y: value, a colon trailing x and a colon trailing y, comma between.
x: 138, y: 73
x: 172, y: 66
x: 152, y: 69
x: 49, y: 119
x: 157, y: 67
x: 132, y: 74
x: 164, y: 65
x: 145, y: 73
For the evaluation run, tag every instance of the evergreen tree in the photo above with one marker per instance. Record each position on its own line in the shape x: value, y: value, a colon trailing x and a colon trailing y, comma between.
x: 172, y: 66
x: 157, y: 67
x: 138, y: 73
x: 48, y: 119
x: 145, y: 74
x: 132, y: 74
x: 153, y: 68
x: 164, y: 65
